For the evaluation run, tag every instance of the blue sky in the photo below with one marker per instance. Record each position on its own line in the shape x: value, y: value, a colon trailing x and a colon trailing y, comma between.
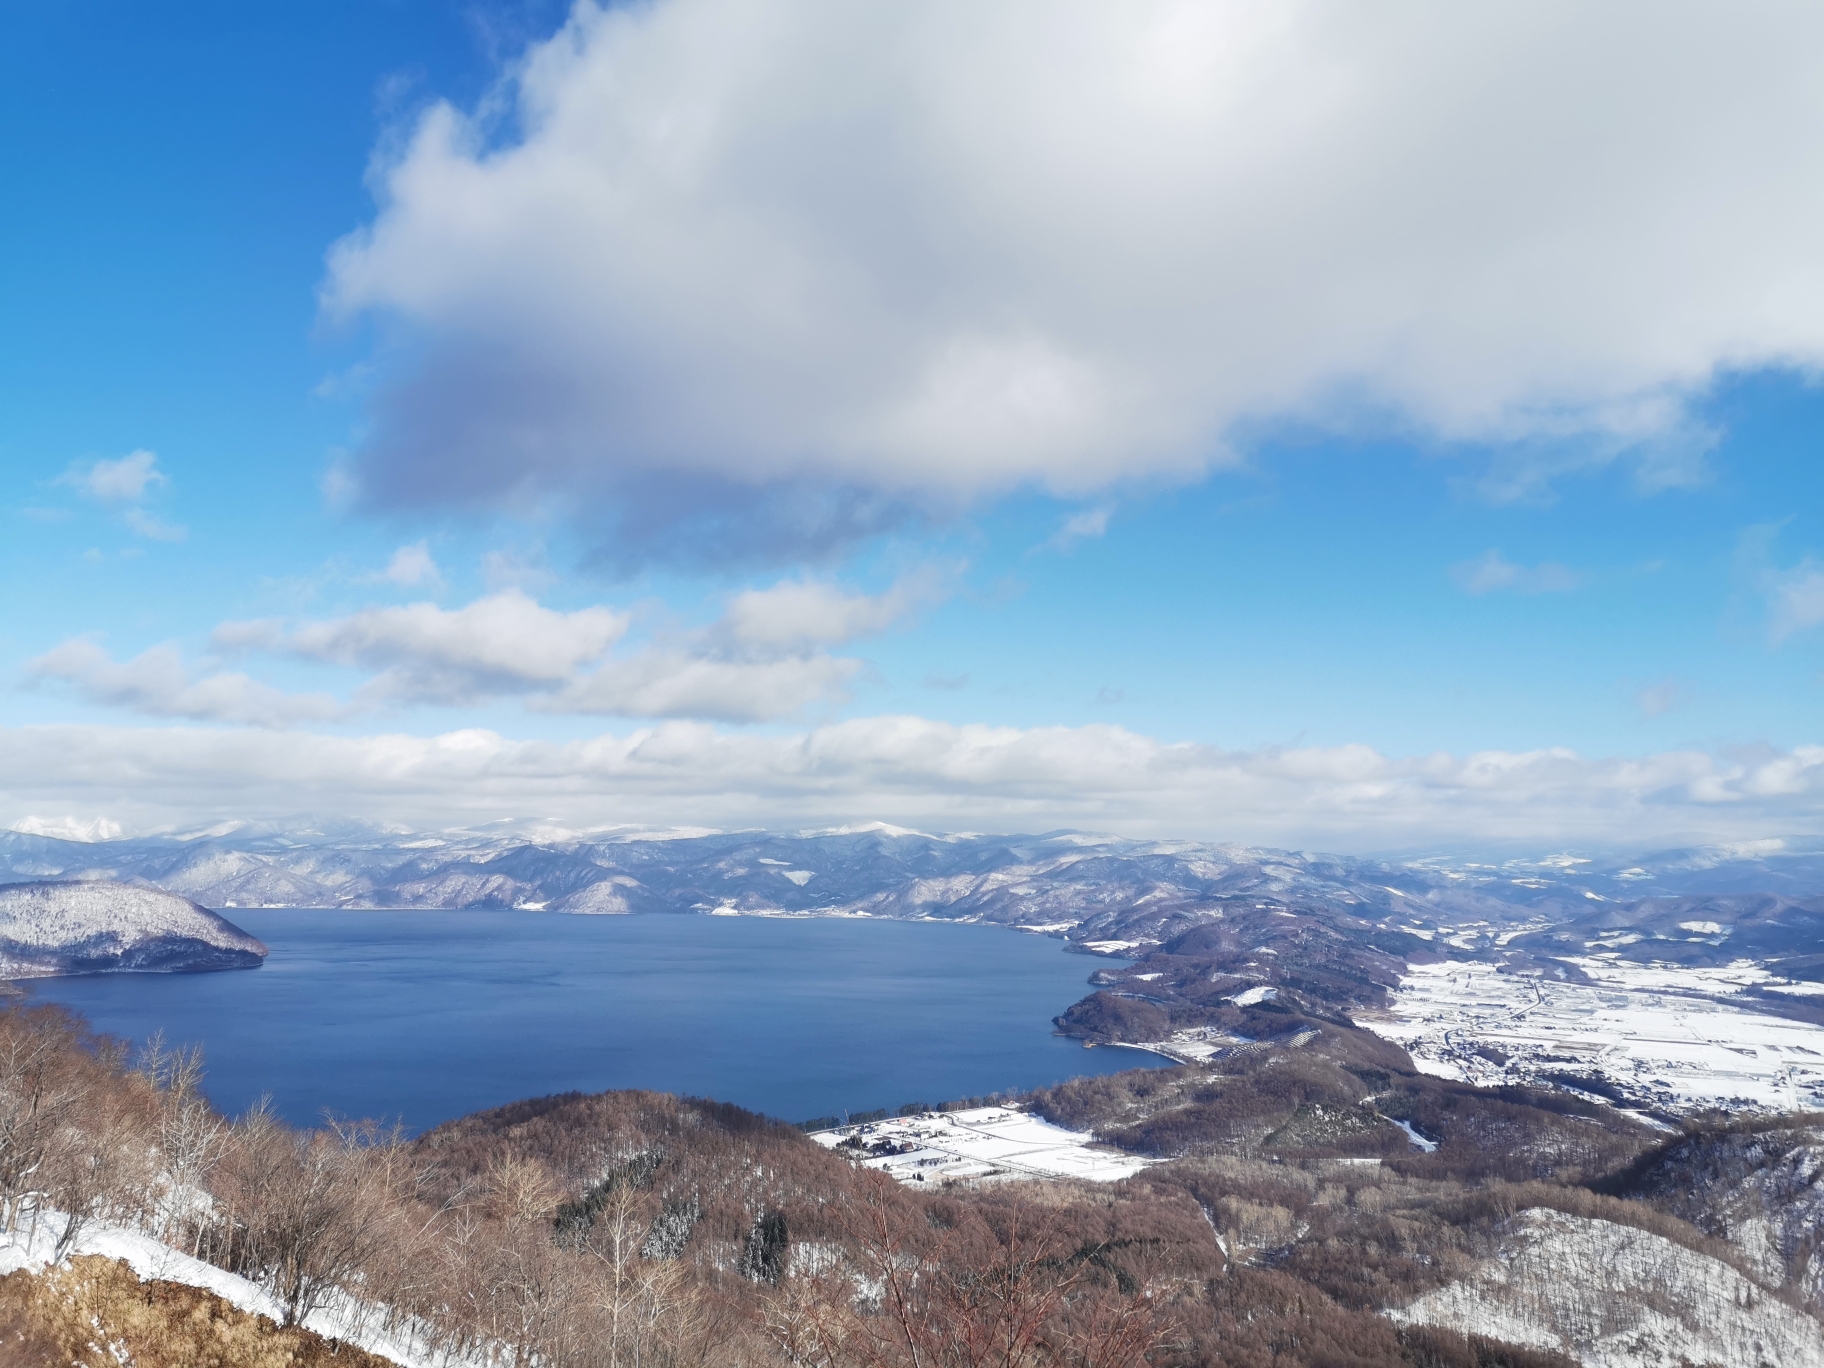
x: 735, y: 412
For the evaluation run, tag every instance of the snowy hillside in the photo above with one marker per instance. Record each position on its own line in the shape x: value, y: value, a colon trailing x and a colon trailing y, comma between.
x: 1097, y: 886
x: 101, y: 926
x: 1615, y: 1297
x: 1758, y: 1185
x: 35, y: 1248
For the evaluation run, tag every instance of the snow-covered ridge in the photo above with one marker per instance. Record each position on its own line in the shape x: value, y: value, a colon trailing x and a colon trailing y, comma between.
x: 1615, y: 1297
x: 100, y: 926
x: 33, y: 1248
x: 1092, y: 887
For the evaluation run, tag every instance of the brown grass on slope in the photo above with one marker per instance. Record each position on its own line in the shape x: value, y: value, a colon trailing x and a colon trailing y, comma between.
x: 95, y: 1313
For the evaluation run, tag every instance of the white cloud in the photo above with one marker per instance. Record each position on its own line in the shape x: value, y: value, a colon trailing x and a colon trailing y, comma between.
x: 761, y: 250
x: 1490, y: 572
x: 411, y: 566
x: 516, y: 570
x: 1794, y: 595
x: 1795, y: 599
x: 1658, y: 699
x: 1083, y: 526
x: 762, y: 660
x: 804, y: 613
x: 127, y: 483
x: 127, y: 480
x: 156, y: 528
x: 920, y: 773
x: 157, y: 682
x: 503, y: 644
x: 759, y: 662
x: 663, y: 683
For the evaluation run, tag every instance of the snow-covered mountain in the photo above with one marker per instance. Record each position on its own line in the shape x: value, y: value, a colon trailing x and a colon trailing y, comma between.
x: 1615, y: 1296
x: 1759, y: 1186
x: 101, y: 926
x: 1087, y: 887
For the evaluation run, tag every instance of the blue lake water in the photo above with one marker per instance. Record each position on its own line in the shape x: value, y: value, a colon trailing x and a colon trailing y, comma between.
x: 425, y: 1016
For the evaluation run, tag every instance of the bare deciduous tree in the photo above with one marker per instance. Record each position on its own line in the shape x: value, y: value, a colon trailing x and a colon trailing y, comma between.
x: 307, y: 1212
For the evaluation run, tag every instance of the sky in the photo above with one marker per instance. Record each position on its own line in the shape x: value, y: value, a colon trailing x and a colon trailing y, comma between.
x: 1228, y: 421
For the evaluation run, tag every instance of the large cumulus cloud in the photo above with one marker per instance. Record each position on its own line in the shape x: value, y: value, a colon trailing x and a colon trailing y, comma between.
x: 753, y: 276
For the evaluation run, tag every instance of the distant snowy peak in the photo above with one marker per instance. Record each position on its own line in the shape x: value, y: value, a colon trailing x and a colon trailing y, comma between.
x: 69, y: 828
x: 99, y: 926
x: 1085, y: 886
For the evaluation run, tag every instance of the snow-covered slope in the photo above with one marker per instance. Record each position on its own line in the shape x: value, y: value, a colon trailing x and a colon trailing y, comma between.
x: 34, y: 1245
x: 101, y: 926
x: 1060, y: 877
x: 1615, y: 1297
x: 1759, y: 1185
x: 1101, y: 886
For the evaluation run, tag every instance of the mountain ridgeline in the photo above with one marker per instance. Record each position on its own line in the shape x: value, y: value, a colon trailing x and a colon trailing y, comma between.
x: 1087, y: 888
x: 1326, y: 936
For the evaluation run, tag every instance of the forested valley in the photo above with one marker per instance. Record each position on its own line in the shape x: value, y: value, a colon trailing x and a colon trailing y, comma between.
x: 1290, y: 1221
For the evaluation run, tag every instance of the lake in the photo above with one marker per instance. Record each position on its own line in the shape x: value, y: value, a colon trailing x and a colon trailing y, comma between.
x: 424, y: 1016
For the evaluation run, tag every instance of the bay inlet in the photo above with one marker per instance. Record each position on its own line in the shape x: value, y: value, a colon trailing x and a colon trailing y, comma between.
x: 425, y: 1015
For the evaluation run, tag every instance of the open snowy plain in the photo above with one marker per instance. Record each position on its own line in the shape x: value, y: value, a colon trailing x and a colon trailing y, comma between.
x: 1658, y: 1036
x: 981, y: 1142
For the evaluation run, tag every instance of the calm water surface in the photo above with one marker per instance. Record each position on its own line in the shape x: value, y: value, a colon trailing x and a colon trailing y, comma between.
x: 429, y: 1015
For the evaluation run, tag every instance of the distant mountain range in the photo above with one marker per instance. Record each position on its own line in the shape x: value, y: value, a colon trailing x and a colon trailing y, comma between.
x: 1089, y: 889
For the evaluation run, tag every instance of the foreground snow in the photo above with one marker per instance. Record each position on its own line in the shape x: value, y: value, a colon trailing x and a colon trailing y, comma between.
x: 1673, y: 1038
x: 347, y: 1321
x: 1615, y: 1297
x: 983, y: 1142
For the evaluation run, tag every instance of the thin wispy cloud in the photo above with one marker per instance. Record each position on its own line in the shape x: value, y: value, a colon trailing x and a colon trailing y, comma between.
x: 1086, y: 525
x: 1491, y: 573
x: 1674, y: 456
x: 509, y: 569
x: 126, y: 484
x: 1795, y: 599
x: 675, y: 683
x: 149, y: 525
x: 158, y: 683
x: 1660, y: 698
x: 1792, y: 596
x: 127, y: 480
x: 412, y: 567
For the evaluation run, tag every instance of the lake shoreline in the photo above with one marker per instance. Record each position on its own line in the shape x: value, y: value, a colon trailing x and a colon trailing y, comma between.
x: 430, y: 1015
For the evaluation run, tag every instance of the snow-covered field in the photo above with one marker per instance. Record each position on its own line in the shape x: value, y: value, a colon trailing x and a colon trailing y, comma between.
x: 1674, y: 1038
x: 981, y: 1143
x: 1197, y: 1045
